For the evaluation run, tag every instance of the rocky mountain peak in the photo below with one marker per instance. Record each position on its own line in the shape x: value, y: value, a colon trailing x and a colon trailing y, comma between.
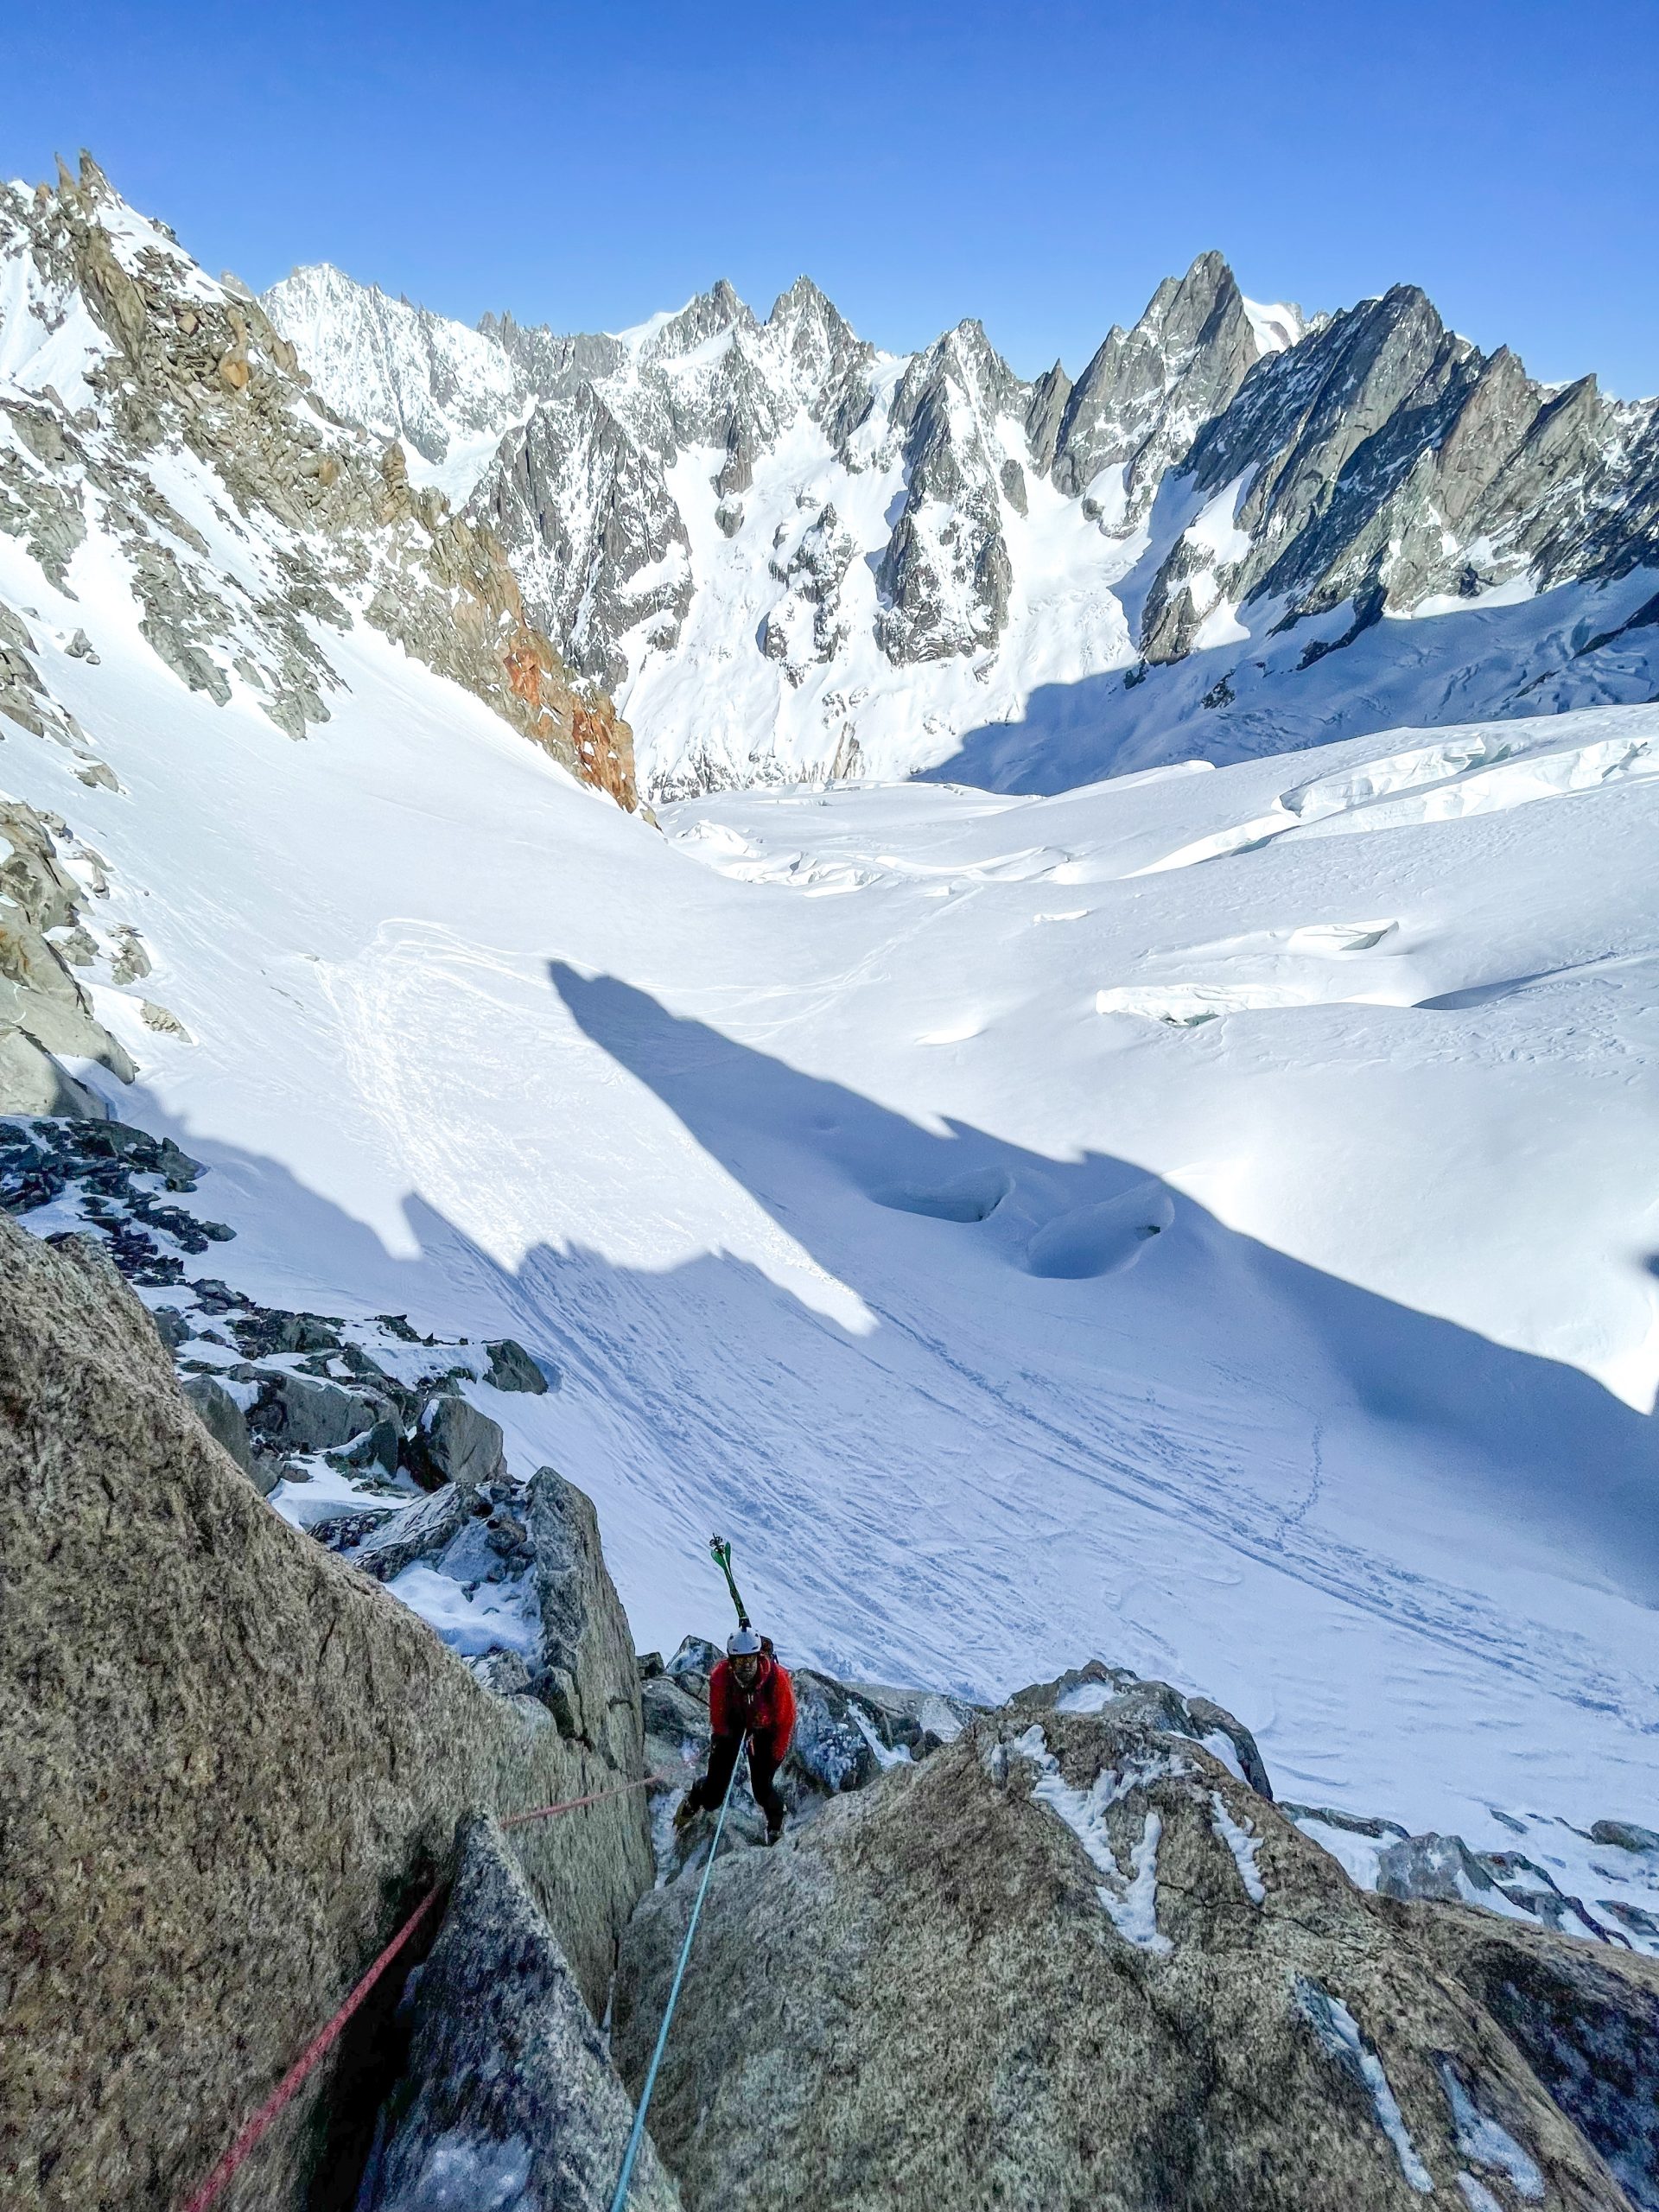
x: 1144, y: 397
x: 705, y: 317
x: 140, y: 385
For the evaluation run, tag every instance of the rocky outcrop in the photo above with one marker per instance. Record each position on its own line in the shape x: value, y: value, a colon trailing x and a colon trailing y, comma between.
x: 580, y: 503
x: 1587, y: 2022
x: 230, y: 1765
x: 330, y: 522
x: 1384, y: 462
x: 512, y: 1368
x: 508, y: 2097
x: 1075, y: 1961
x: 586, y: 1675
x: 946, y: 577
x: 1136, y: 407
x: 456, y: 1443
x: 44, y: 934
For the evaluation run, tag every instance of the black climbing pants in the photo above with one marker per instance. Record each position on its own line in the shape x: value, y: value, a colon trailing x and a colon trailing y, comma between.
x: 723, y: 1758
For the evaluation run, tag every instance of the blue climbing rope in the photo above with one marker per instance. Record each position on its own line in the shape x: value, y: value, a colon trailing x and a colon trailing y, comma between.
x: 637, y: 2131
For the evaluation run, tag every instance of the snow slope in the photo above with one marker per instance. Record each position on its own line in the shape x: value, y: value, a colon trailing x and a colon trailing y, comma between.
x: 1204, y: 1220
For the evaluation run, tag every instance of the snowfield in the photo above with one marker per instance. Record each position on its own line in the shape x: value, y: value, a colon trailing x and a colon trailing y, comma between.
x: 1207, y: 1219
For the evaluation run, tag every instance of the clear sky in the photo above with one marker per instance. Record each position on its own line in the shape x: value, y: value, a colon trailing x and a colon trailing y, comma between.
x: 1039, y: 166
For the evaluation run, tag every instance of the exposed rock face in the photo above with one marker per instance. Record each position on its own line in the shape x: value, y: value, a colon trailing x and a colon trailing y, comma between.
x: 586, y: 1675
x: 946, y: 577
x: 230, y: 1764
x: 1384, y: 461
x: 327, y: 520
x: 509, y: 2097
x: 1134, y: 410
x: 581, y: 507
x: 1077, y: 1963
x: 224, y: 1421
x: 1587, y: 2021
x: 44, y: 1010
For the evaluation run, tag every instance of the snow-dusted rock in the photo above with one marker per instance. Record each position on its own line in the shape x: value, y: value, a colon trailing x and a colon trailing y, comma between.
x: 511, y: 1368
x: 1074, y: 1962
x: 456, y: 1443
x: 1123, y: 1695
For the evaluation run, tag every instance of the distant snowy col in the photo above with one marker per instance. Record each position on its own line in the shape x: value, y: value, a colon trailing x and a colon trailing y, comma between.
x: 793, y: 557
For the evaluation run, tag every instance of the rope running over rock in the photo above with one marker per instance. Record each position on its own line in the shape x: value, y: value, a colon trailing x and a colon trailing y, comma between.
x: 289, y: 2087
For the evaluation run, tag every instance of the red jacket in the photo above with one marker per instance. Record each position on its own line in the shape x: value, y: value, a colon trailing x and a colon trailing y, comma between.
x: 767, y: 1711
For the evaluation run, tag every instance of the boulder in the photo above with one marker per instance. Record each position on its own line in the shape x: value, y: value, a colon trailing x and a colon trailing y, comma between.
x: 379, y: 1447
x: 1097, y: 1688
x: 265, y: 1330
x: 222, y: 1418
x: 586, y: 1674
x: 456, y: 1444
x: 230, y: 1765
x: 1623, y: 1835
x: 831, y: 1751
x: 1073, y: 1962
x: 693, y: 1663
x: 32, y: 1082
x: 170, y: 1327
x: 416, y: 1532
x: 511, y: 1368
x: 301, y: 1413
x: 914, y: 1721
x: 508, y: 2096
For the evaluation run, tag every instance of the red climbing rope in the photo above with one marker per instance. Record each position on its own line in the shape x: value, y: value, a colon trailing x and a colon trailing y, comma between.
x: 289, y: 2087
x: 544, y: 1812
x: 286, y: 2090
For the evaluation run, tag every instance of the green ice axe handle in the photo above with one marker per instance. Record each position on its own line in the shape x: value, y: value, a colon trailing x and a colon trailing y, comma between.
x: 721, y: 1554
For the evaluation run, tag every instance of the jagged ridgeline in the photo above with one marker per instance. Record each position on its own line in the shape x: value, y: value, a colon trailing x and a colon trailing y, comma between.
x: 148, y: 406
x: 792, y: 554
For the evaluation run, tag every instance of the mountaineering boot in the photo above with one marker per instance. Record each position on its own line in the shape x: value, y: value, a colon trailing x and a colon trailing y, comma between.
x: 775, y: 1830
x: 684, y: 1813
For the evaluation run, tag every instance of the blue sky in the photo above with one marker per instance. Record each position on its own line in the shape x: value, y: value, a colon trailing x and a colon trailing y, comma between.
x: 1039, y: 166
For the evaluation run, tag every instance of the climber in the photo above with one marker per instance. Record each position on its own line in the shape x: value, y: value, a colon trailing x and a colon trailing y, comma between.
x: 748, y: 1691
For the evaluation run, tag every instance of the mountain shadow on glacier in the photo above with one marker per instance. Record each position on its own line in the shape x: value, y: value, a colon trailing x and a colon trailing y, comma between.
x: 1516, y: 1435
x: 1578, y: 646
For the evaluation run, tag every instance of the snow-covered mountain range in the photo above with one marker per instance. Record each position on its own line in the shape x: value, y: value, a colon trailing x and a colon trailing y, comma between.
x: 792, y: 556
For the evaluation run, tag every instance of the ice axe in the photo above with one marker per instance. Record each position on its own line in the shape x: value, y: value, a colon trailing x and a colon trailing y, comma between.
x: 721, y: 1552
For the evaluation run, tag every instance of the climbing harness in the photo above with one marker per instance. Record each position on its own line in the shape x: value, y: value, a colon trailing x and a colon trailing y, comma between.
x: 324, y: 2041
x: 637, y: 2130
x: 721, y: 1552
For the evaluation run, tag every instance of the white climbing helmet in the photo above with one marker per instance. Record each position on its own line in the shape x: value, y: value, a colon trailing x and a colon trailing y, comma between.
x: 742, y: 1643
